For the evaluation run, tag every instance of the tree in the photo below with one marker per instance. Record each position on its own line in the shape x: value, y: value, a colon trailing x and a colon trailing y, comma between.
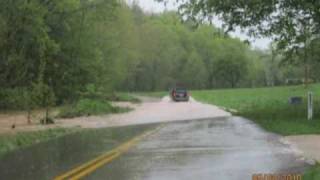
x: 194, y: 73
x: 291, y: 24
x: 256, y: 69
x: 56, y: 49
x: 43, y: 95
x: 231, y: 67
x: 207, y: 40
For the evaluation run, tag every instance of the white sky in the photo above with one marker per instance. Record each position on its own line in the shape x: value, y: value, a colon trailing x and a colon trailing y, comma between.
x: 152, y: 6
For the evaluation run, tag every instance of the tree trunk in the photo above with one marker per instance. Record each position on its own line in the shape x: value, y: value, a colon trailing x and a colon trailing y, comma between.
x: 47, y: 115
x: 29, y: 116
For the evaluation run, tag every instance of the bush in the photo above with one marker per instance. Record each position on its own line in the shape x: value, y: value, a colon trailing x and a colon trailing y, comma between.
x: 124, y: 97
x: 13, y: 99
x: 87, y: 107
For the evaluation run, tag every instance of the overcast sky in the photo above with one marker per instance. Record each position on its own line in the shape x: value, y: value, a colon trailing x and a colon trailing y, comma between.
x: 152, y: 6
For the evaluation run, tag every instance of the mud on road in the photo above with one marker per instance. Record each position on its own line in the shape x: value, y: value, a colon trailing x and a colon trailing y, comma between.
x: 150, y: 111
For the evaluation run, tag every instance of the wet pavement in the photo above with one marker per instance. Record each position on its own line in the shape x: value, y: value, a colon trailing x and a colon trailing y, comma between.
x: 47, y: 160
x: 221, y: 148
x: 217, y: 148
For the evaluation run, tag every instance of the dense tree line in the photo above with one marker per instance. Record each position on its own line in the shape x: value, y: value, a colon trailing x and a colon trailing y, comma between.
x: 56, y: 48
x: 53, y: 51
x: 174, y: 52
x: 292, y: 25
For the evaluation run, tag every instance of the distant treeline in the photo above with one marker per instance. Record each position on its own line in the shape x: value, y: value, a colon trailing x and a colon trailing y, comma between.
x: 53, y: 50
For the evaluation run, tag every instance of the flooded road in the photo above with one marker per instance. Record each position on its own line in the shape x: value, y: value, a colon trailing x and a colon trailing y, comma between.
x: 221, y: 148
x: 47, y: 160
x: 150, y: 111
x: 216, y: 148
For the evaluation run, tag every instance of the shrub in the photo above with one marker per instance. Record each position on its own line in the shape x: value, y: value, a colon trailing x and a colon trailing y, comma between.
x: 89, y: 106
x: 14, y: 99
x: 124, y: 97
x: 86, y: 107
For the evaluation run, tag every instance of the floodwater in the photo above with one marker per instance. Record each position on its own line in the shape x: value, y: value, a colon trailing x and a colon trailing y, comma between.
x: 47, y: 160
x: 209, y: 144
x: 150, y: 111
x: 221, y: 148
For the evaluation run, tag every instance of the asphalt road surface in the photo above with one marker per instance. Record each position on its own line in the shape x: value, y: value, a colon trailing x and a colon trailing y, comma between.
x: 221, y: 148
x: 197, y: 141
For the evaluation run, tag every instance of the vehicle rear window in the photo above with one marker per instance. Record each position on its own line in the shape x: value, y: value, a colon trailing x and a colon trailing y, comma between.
x: 181, y: 90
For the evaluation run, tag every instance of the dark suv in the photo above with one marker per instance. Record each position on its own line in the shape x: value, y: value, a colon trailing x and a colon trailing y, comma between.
x: 179, y: 94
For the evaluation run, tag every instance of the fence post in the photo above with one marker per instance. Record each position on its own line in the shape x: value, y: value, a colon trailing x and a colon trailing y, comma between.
x: 310, y: 105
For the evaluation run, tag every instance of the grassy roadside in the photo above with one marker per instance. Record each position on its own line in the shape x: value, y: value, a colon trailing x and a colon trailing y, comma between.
x: 313, y: 173
x: 11, y: 142
x: 269, y: 107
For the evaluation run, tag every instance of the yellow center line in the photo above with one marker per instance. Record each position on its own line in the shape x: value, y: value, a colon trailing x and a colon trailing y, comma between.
x: 89, y: 167
x: 94, y: 167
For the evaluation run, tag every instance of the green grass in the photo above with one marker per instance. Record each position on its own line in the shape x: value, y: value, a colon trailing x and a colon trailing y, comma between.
x: 122, y: 96
x: 24, y: 139
x: 269, y: 107
x: 242, y: 98
x: 158, y: 94
x: 88, y: 107
x: 312, y: 173
x: 96, y: 106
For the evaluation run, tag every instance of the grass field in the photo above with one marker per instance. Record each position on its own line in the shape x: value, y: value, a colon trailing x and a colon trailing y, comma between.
x: 269, y: 107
